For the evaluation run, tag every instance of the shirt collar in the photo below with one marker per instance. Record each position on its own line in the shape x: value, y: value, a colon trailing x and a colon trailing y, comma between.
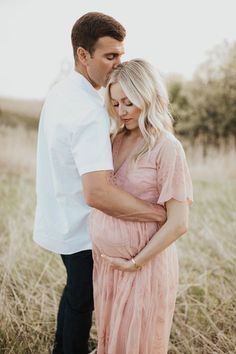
x: 85, y: 84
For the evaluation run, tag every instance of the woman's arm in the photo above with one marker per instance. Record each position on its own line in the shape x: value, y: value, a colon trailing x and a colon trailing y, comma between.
x: 175, y: 226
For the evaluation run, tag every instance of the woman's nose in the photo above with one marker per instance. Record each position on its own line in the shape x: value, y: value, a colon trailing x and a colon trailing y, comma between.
x: 122, y: 111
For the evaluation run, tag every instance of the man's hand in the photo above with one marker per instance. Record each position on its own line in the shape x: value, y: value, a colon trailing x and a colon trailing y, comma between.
x: 122, y: 264
x: 162, y: 215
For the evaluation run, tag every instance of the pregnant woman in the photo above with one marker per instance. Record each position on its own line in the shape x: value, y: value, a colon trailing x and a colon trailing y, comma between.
x: 135, y: 263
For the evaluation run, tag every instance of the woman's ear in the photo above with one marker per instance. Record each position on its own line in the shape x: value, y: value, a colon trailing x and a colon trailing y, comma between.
x: 82, y: 55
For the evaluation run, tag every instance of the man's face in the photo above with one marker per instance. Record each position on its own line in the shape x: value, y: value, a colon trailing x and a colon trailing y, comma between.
x: 106, y: 57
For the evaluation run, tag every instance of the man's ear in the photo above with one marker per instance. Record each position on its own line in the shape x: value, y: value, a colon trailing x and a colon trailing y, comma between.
x: 82, y: 55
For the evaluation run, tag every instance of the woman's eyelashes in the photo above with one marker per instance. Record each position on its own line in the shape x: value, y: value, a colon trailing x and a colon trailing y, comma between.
x: 127, y: 104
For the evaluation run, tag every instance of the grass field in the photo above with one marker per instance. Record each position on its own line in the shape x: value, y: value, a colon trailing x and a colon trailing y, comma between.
x: 31, y: 279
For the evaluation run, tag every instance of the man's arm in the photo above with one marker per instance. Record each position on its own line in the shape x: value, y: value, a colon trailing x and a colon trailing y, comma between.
x: 101, y: 194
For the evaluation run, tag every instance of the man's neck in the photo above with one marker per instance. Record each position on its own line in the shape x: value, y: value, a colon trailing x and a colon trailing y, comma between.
x: 81, y: 70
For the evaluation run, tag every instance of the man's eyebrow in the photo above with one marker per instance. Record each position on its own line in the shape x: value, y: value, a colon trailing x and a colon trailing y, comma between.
x: 112, y: 53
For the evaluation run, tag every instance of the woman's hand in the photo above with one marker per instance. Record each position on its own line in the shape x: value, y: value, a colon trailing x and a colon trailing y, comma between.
x: 122, y: 264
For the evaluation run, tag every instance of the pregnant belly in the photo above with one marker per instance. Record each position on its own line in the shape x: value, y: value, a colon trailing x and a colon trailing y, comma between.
x: 119, y: 238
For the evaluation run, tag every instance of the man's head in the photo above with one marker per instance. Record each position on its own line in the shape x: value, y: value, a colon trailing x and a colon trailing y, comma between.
x: 97, y: 41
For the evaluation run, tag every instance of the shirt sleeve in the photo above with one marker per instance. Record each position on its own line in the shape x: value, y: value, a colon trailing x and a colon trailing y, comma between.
x: 91, y: 146
x: 173, y: 177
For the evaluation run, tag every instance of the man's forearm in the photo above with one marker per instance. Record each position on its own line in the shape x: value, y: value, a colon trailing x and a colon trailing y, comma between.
x: 115, y: 202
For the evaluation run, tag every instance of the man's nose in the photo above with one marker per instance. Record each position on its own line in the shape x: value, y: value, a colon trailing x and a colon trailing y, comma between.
x: 116, y: 62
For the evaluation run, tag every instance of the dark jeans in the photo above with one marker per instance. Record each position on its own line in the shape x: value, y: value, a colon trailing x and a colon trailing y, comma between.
x: 76, y: 306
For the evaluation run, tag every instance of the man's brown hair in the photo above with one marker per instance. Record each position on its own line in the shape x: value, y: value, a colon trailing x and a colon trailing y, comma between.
x: 92, y: 26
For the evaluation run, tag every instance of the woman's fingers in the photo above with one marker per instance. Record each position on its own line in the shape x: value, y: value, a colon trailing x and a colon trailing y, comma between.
x: 119, y: 263
x: 107, y: 258
x: 112, y: 260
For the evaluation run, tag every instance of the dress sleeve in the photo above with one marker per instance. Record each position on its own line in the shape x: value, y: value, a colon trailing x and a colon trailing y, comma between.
x: 173, y: 177
x: 91, y: 146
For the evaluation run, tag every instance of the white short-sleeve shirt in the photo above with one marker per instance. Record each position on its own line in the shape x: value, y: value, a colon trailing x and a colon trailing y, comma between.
x: 73, y: 139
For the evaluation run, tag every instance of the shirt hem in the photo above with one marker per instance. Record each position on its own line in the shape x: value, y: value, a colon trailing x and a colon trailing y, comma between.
x: 49, y: 245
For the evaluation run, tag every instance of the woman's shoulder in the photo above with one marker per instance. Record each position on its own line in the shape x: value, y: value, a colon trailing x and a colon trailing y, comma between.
x: 168, y: 140
x: 168, y: 145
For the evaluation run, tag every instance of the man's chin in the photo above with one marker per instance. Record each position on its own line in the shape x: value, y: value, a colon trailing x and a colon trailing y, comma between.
x: 105, y: 83
x: 107, y: 80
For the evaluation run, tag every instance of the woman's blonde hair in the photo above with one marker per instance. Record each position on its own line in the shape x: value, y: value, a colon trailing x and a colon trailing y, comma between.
x: 146, y: 90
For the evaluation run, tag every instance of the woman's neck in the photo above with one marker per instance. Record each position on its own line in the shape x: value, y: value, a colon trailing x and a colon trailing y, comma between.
x: 133, y: 134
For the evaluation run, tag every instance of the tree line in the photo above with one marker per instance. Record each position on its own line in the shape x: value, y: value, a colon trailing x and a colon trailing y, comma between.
x: 204, y: 108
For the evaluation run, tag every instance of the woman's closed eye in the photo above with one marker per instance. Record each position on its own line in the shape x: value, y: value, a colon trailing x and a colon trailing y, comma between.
x: 127, y: 104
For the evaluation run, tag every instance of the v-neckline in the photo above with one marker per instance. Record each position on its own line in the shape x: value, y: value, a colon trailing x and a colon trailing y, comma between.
x: 117, y: 149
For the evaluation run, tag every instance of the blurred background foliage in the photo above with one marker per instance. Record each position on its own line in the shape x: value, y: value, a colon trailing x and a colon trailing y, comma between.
x: 204, y: 109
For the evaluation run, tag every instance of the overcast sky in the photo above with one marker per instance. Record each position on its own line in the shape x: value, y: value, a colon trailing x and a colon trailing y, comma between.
x: 174, y: 35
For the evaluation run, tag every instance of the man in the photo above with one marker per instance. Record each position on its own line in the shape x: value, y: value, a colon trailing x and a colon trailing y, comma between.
x: 73, y: 167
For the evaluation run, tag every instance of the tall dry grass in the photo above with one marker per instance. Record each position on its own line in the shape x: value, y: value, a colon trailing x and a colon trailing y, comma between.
x: 31, y: 279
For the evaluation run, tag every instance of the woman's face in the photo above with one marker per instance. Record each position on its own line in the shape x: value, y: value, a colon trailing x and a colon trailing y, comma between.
x: 126, y: 111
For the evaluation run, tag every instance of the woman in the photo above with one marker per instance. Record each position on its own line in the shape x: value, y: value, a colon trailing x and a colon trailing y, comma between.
x: 135, y: 264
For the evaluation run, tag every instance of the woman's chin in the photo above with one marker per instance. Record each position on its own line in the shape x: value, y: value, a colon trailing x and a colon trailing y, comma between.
x: 130, y: 128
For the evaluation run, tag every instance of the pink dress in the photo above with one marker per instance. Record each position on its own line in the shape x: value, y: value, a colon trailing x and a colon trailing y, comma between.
x: 134, y: 311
